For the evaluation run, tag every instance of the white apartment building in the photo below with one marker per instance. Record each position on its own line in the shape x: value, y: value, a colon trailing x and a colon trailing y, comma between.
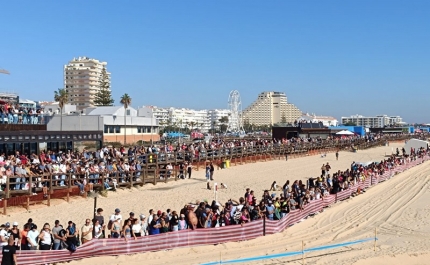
x: 185, y: 118
x: 215, y: 115
x: 378, y: 121
x: 189, y: 118
x: 326, y: 120
x: 270, y: 108
x: 82, y: 77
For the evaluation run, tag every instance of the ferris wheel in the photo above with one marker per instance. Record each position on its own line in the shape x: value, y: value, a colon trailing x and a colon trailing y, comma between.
x: 235, y: 105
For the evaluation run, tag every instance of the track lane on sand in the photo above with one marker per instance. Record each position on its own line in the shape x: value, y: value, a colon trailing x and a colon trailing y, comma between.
x: 397, y: 207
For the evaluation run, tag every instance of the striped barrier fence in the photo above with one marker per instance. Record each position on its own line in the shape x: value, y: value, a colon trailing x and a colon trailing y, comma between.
x: 190, y: 238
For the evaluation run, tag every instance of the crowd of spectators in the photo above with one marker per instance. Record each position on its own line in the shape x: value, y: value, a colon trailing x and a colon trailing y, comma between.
x: 120, y: 165
x: 275, y: 203
x: 15, y: 114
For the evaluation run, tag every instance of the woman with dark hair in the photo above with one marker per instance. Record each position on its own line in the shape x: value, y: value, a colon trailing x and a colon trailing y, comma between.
x: 45, y: 238
x: 72, y: 233
x: 127, y: 232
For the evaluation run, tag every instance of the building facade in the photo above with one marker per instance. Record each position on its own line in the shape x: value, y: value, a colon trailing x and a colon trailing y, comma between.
x: 216, y: 115
x: 271, y: 108
x: 379, y: 121
x: 82, y: 78
x: 117, y: 124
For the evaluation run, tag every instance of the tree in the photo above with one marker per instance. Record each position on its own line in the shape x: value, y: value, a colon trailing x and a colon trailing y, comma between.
x: 125, y: 101
x: 350, y: 123
x: 214, y: 124
x: 61, y: 96
x: 103, y: 97
x: 223, y: 123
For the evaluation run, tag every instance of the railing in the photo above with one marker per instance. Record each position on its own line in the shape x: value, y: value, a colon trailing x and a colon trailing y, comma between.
x: 208, y: 236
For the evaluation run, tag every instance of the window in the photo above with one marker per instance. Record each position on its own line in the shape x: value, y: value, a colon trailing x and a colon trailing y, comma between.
x: 117, y: 129
x: 128, y: 112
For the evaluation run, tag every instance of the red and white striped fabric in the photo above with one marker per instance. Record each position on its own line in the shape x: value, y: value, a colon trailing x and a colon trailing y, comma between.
x: 189, y: 238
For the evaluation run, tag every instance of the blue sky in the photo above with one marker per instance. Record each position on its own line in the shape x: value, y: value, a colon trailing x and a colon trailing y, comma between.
x: 330, y: 57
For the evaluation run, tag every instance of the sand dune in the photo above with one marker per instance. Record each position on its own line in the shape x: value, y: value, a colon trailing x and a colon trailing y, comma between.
x: 398, y: 208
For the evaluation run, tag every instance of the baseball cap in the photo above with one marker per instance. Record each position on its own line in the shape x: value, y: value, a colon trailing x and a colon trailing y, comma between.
x: 159, y: 212
x: 142, y: 216
x: 15, y: 223
x: 7, y: 224
x: 117, y: 210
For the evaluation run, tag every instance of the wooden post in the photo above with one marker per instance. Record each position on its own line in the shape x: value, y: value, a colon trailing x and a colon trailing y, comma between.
x: 30, y: 185
x: 28, y: 202
x: 68, y: 186
x: 51, y: 189
x: 5, y: 206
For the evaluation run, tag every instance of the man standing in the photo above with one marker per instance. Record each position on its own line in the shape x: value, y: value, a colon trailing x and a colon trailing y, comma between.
x: 101, y: 219
x: 9, y: 253
x: 56, y: 234
x: 337, y: 154
x: 87, y: 231
x: 116, y: 216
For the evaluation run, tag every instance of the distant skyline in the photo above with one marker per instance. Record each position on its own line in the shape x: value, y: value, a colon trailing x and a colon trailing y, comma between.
x: 331, y: 58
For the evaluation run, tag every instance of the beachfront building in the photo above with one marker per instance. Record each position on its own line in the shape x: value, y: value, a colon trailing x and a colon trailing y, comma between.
x: 189, y: 118
x: 82, y: 78
x: 270, y: 108
x: 327, y: 121
x: 215, y: 117
x: 115, y: 122
x: 379, y: 121
x: 203, y: 120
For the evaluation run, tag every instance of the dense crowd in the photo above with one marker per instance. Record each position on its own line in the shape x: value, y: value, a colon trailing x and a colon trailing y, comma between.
x: 119, y: 165
x: 15, y: 114
x: 275, y: 203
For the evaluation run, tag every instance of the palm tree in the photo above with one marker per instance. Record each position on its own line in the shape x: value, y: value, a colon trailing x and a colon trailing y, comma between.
x: 61, y: 96
x: 125, y: 101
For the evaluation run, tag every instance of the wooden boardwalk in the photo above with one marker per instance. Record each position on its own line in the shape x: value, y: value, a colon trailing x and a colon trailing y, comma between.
x: 153, y: 168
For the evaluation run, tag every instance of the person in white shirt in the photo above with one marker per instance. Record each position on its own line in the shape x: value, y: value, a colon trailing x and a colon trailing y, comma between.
x: 32, y: 236
x: 4, y: 236
x: 116, y: 216
x: 98, y: 231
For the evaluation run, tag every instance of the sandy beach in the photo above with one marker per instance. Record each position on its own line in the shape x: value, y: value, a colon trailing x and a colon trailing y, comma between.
x: 398, y: 208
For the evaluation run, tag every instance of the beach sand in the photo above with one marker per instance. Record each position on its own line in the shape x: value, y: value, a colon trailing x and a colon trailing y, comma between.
x: 398, y: 208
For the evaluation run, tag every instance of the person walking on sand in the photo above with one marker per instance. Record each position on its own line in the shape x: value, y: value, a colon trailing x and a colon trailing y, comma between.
x: 337, y: 154
x: 212, y: 169
x: 189, y: 169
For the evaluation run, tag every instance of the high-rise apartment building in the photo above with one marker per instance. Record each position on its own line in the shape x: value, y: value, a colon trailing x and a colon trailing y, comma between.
x: 270, y: 108
x: 82, y: 78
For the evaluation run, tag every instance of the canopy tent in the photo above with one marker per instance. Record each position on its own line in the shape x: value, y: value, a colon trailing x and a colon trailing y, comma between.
x: 345, y: 132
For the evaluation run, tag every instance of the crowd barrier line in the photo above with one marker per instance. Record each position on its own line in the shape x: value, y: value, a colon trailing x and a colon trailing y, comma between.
x: 191, y: 238
x: 292, y: 253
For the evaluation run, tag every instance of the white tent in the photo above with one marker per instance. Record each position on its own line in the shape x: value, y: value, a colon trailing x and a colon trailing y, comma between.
x: 416, y: 144
x: 345, y: 132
